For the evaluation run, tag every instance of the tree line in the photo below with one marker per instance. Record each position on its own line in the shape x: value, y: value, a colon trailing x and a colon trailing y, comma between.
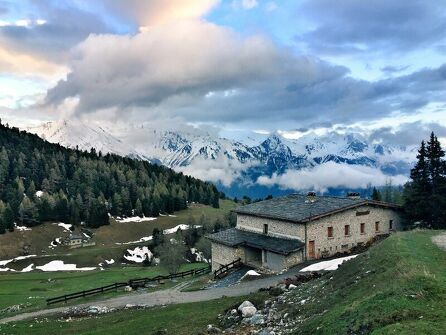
x: 41, y: 181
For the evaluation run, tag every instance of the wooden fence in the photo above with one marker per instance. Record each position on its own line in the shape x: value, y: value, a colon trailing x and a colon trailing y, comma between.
x: 223, y: 270
x: 134, y: 283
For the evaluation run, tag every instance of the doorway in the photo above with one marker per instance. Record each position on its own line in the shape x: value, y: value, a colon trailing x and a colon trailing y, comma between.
x: 311, y: 251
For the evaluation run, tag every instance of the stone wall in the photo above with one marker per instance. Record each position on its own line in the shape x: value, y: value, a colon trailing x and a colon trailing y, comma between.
x: 222, y: 255
x: 276, y: 228
x: 317, y: 231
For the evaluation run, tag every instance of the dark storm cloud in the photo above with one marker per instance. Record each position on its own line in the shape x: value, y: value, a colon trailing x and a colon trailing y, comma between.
x: 351, y: 26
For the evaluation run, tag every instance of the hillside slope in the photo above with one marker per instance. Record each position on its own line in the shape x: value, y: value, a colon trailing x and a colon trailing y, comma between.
x: 397, y: 287
x: 40, y: 181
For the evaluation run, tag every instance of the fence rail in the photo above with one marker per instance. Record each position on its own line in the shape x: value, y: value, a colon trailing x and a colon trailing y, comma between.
x: 134, y: 283
x: 223, y: 270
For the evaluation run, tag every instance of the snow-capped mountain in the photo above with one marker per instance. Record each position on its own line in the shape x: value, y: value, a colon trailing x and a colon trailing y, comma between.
x: 75, y: 133
x: 206, y: 156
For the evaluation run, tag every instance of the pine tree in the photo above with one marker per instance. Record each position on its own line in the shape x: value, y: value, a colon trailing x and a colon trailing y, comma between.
x: 8, y: 218
x: 138, y: 208
x: 376, y: 195
x: 437, y: 172
x: 425, y: 195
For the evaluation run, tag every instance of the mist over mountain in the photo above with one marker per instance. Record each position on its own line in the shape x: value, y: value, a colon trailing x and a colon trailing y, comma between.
x: 330, y: 163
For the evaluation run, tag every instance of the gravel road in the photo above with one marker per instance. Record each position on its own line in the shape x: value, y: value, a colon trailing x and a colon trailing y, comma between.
x: 166, y: 297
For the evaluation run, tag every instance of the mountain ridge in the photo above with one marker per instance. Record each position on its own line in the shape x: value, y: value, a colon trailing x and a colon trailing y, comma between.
x: 190, y: 150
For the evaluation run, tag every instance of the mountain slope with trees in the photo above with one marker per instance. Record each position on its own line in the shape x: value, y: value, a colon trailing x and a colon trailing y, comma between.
x: 40, y: 181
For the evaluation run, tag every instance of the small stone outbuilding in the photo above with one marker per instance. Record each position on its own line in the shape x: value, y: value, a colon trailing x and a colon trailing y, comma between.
x: 282, y: 232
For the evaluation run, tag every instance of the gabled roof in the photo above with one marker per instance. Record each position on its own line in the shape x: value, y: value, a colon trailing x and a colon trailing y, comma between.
x: 234, y: 237
x: 296, y: 208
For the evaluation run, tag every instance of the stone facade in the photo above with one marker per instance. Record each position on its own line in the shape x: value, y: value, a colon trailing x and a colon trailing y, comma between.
x: 317, y: 231
x: 276, y: 228
x: 222, y: 255
x: 364, y: 223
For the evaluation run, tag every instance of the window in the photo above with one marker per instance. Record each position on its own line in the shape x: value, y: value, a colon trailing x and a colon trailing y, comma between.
x: 390, y: 224
x: 362, y: 228
x: 377, y: 226
x: 265, y: 229
x: 330, y: 232
x: 347, y: 230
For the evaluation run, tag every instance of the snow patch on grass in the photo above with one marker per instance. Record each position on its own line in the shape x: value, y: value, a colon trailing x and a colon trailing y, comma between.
x: 330, y: 265
x: 65, y: 226
x: 29, y: 268
x: 138, y: 255
x: 135, y: 219
x: 7, y: 261
x: 54, y: 266
x: 166, y: 232
x: 21, y: 228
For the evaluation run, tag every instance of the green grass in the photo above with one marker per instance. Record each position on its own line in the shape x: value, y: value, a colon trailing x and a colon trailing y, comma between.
x: 32, y: 289
x: 397, y: 287
x: 105, y: 237
x: 181, y: 319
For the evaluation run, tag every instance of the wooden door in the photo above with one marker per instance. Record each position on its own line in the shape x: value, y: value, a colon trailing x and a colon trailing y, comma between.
x: 311, y: 251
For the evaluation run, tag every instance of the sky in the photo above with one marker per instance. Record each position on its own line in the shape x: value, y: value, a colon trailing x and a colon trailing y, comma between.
x: 242, y: 67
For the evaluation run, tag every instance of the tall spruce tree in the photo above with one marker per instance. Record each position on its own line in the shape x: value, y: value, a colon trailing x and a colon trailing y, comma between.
x: 425, y: 195
x: 376, y: 195
x: 437, y: 175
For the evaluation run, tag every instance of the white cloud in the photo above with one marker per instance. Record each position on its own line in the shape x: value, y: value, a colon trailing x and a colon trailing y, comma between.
x: 330, y: 175
x: 171, y: 69
x: 159, y: 12
x: 220, y: 170
x: 271, y: 6
x: 249, y: 4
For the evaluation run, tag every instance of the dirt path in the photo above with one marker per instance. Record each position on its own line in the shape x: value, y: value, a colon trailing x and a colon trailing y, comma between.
x: 440, y: 240
x: 166, y: 297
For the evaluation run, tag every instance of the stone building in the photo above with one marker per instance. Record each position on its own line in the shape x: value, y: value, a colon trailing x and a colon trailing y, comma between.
x: 279, y: 233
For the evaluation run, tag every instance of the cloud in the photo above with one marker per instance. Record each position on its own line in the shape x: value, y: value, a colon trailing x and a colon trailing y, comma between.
x: 51, y: 36
x: 407, y: 134
x: 12, y: 62
x: 208, y: 73
x: 157, y: 12
x: 330, y: 175
x: 394, y: 69
x: 179, y: 63
x: 380, y: 26
x: 220, y: 170
x: 249, y: 4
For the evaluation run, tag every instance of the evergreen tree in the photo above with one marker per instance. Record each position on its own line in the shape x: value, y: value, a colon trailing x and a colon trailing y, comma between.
x: 376, y: 195
x: 28, y: 213
x: 8, y: 218
x: 107, y: 183
x: 437, y: 173
x: 157, y: 237
x: 425, y: 195
x: 2, y: 225
x: 138, y: 208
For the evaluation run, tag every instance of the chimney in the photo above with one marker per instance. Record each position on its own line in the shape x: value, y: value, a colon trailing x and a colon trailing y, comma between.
x: 311, y: 197
x: 353, y: 195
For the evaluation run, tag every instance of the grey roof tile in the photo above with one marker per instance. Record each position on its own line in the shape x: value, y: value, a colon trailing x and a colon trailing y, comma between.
x: 296, y: 208
x: 236, y: 237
